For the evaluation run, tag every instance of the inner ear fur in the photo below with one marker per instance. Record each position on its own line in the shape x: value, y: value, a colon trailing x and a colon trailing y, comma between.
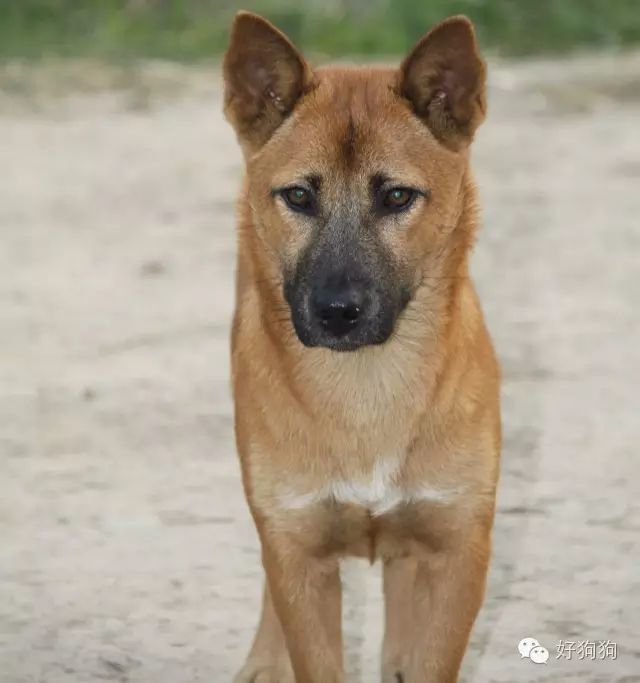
x: 264, y: 76
x: 444, y: 79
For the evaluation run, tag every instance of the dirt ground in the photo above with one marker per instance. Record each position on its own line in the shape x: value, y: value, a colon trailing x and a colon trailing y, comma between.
x: 126, y: 549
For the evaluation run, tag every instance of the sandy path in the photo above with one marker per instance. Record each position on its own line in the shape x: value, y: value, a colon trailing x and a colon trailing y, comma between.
x: 126, y: 550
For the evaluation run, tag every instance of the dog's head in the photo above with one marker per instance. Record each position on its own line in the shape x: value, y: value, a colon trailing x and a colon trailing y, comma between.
x: 355, y: 175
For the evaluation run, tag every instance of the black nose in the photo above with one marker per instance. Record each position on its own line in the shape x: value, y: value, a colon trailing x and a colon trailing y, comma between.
x: 339, y: 310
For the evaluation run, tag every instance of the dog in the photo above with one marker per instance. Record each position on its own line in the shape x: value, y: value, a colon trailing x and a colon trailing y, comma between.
x: 365, y: 383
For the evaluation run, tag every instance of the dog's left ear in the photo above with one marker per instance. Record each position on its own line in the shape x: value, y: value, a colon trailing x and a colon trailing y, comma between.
x: 444, y: 78
x: 264, y: 76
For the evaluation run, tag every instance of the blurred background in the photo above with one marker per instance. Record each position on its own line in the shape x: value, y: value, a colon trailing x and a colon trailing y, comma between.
x: 126, y: 548
x: 195, y: 29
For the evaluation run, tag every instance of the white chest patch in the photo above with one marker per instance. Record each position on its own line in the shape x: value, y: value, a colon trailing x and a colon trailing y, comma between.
x: 379, y: 493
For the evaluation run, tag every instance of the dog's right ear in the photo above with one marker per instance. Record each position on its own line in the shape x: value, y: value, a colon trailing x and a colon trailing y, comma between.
x: 264, y: 76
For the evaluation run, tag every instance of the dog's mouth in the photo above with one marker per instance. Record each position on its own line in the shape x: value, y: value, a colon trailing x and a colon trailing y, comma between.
x: 342, y: 345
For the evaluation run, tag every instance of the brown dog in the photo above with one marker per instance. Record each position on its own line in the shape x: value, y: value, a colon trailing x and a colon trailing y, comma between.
x: 366, y: 387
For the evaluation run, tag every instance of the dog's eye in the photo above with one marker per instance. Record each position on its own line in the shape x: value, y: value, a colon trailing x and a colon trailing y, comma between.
x: 298, y: 199
x: 398, y: 198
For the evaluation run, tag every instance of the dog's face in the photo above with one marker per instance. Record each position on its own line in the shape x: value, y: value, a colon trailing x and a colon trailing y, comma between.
x: 354, y: 175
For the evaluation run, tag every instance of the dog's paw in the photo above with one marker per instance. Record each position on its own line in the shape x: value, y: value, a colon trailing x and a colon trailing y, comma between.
x: 265, y: 672
x: 395, y: 671
x: 394, y: 677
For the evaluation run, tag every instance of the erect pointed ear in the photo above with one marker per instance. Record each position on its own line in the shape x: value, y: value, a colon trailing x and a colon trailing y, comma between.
x: 264, y: 76
x: 444, y: 79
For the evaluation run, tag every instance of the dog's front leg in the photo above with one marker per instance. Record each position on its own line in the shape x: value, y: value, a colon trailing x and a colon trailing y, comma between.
x: 306, y: 594
x: 448, y: 592
x: 399, y: 577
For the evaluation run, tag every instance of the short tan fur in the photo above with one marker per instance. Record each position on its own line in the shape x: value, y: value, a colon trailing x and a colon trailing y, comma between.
x: 365, y: 383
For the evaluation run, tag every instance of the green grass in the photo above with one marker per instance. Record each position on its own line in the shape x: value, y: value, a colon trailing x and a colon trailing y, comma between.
x: 195, y: 29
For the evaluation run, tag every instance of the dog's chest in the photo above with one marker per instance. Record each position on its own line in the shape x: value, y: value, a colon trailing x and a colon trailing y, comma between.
x: 379, y: 491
